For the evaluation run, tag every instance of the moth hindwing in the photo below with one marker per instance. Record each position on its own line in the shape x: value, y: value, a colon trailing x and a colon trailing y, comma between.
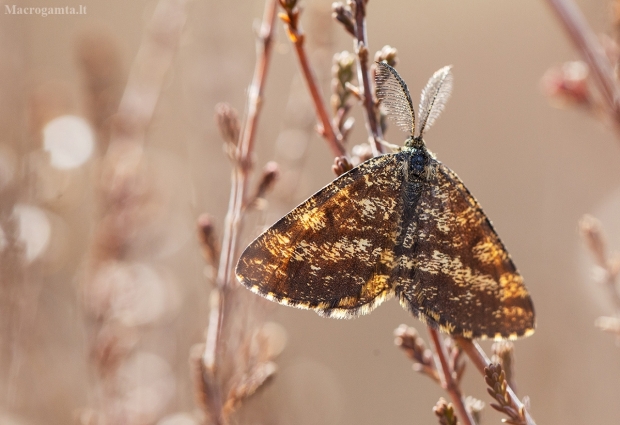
x: 401, y: 224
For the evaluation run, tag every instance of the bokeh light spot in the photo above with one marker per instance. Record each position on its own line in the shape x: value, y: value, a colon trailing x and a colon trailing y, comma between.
x: 34, y: 230
x: 69, y: 140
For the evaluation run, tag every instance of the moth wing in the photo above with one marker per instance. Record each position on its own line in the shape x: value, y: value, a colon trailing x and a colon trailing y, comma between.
x: 461, y: 277
x: 334, y: 252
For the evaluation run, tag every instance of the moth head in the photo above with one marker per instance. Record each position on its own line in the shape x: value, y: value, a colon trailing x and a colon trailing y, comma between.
x: 415, y: 142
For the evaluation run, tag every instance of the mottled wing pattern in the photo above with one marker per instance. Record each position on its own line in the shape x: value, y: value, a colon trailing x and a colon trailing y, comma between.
x: 334, y: 252
x: 453, y: 269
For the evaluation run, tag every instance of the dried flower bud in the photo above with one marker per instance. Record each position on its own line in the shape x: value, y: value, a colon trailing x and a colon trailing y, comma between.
x: 343, y: 71
x: 445, y: 412
x: 208, y: 240
x: 227, y: 120
x: 248, y: 384
x: 503, y: 353
x: 408, y: 339
x: 567, y: 85
x: 202, y: 380
x: 387, y: 54
x: 495, y: 378
x: 455, y: 354
x: 590, y: 229
x: 270, y: 175
x: 341, y: 165
x: 343, y: 14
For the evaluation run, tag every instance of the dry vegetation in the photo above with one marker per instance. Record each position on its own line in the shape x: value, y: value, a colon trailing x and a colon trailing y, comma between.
x: 127, y: 301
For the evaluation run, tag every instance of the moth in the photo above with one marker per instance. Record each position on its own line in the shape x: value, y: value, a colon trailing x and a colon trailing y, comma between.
x: 401, y: 224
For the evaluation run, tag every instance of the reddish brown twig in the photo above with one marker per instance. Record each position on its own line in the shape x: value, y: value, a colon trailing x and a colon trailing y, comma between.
x: 242, y: 168
x: 361, y: 48
x: 587, y: 43
x: 448, y: 381
x: 296, y: 35
x: 481, y: 361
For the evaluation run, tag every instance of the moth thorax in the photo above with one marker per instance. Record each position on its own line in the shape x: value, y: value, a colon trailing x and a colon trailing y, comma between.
x: 418, y: 163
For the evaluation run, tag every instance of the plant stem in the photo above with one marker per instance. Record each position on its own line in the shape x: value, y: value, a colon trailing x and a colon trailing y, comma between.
x: 480, y: 360
x: 447, y: 380
x: 242, y: 169
x: 593, y: 53
x: 361, y: 48
x: 327, y: 131
x: 297, y: 37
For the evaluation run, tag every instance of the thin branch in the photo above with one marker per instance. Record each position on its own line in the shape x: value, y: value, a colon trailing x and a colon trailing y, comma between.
x: 479, y: 358
x: 361, y: 48
x: 242, y: 168
x: 296, y: 35
x: 327, y: 130
x: 593, y: 53
x: 447, y: 378
x: 592, y: 232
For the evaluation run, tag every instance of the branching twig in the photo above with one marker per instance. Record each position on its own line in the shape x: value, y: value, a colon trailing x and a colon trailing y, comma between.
x: 296, y: 35
x: 592, y: 234
x: 361, y: 48
x: 243, y: 166
x: 481, y: 361
x: 593, y: 53
x: 448, y: 378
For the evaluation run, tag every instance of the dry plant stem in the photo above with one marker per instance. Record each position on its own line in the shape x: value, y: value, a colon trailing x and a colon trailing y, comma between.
x: 593, y: 53
x: 447, y: 379
x: 241, y: 171
x: 480, y: 360
x: 328, y: 131
x: 592, y: 233
x: 361, y: 48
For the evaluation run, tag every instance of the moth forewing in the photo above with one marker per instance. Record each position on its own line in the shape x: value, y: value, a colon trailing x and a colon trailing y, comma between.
x: 434, y: 97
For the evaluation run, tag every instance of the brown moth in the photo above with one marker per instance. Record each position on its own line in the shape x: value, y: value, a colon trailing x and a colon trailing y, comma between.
x: 398, y: 224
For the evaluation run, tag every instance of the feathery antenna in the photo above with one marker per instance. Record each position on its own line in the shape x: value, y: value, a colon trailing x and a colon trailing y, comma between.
x: 434, y: 98
x: 394, y: 95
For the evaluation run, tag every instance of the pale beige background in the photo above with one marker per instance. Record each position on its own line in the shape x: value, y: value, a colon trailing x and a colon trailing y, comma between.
x: 535, y: 169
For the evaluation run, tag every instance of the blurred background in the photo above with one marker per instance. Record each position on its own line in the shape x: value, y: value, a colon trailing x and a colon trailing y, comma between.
x: 535, y: 169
